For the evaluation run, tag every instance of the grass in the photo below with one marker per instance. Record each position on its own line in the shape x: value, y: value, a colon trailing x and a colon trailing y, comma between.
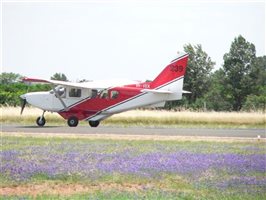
x: 84, y: 168
x: 111, y: 195
x: 149, y: 118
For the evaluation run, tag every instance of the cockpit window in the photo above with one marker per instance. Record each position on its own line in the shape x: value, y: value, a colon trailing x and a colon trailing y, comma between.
x: 114, y: 94
x: 61, y: 91
x: 104, y: 94
x: 74, y: 92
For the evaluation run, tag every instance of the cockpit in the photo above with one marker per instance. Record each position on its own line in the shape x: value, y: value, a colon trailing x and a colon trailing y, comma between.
x: 60, y: 90
x: 63, y: 92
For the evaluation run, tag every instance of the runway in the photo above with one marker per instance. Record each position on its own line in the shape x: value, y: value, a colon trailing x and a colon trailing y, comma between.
x: 105, y: 130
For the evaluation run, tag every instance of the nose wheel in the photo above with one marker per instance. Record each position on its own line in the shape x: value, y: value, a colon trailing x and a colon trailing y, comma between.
x: 40, y: 121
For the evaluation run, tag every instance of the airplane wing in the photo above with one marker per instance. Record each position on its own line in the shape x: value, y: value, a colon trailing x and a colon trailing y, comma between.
x: 157, y: 91
x: 101, y: 84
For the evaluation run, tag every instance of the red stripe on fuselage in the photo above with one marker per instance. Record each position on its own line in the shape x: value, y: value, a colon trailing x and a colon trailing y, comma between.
x: 92, y: 106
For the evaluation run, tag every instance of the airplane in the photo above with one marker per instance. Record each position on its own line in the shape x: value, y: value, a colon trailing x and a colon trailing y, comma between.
x: 97, y: 100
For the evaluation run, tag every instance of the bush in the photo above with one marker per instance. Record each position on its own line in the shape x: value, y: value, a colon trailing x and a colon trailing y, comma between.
x: 10, y: 93
x: 255, y: 103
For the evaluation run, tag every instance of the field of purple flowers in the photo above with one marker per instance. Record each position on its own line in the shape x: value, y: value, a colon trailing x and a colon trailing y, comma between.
x: 171, y: 169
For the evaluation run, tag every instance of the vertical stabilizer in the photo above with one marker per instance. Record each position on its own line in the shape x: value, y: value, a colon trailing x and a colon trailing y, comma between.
x: 175, y: 70
x: 171, y: 78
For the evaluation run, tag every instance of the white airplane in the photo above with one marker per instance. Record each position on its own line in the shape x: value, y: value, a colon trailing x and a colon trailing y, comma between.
x: 97, y: 100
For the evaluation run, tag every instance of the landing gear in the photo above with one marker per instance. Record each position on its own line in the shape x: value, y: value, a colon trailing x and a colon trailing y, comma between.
x: 72, y: 121
x: 41, y: 120
x: 94, y: 123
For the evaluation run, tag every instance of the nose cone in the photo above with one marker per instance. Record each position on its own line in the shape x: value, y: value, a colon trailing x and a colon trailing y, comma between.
x: 40, y: 100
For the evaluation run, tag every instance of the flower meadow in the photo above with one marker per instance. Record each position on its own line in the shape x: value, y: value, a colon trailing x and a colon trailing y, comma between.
x: 160, y: 169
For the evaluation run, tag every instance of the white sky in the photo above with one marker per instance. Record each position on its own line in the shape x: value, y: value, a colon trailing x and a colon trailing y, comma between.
x: 120, y: 39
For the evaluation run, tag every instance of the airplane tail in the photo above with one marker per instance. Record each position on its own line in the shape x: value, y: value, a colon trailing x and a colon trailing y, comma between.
x: 171, y: 78
x: 173, y: 72
x: 169, y: 83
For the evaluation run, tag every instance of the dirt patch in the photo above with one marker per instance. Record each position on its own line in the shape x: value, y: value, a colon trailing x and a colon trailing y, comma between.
x: 67, y: 189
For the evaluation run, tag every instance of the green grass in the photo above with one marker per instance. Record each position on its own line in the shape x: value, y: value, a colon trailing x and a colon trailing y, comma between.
x: 112, y: 195
x: 150, y: 194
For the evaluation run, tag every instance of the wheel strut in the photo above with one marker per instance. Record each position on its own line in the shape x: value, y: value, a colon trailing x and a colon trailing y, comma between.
x: 41, y: 120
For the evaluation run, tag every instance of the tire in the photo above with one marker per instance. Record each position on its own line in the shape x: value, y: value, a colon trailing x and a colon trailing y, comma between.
x: 72, y: 121
x: 94, y: 123
x: 40, y: 121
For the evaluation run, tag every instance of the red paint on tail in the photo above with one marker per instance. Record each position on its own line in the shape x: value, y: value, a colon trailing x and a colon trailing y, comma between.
x: 176, y: 69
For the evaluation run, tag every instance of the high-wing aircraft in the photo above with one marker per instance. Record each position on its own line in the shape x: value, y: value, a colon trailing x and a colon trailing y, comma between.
x: 97, y: 100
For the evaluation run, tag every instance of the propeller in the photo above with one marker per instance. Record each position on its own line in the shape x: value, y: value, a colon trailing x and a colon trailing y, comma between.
x: 23, y: 103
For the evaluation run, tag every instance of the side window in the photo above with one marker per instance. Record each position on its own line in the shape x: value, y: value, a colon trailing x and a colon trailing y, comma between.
x: 94, y: 94
x: 114, y: 94
x: 74, y: 92
x: 104, y: 94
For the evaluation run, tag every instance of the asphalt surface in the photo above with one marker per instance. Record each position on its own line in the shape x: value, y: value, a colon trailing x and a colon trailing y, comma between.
x: 200, y: 132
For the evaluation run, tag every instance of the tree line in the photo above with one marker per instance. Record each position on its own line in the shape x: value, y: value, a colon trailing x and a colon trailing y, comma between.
x: 238, y: 85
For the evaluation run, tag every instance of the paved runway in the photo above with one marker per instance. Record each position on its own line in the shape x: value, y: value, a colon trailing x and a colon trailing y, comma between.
x: 200, y: 132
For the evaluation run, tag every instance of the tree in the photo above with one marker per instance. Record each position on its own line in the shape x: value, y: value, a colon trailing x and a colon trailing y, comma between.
x: 59, y: 77
x: 11, y: 88
x: 215, y: 98
x: 258, y: 75
x: 7, y: 78
x: 257, y: 99
x: 10, y: 93
x: 197, y: 78
x: 237, y: 69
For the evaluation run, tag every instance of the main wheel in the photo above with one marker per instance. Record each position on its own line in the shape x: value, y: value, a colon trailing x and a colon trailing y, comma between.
x: 72, y: 121
x: 40, y: 121
x: 94, y: 123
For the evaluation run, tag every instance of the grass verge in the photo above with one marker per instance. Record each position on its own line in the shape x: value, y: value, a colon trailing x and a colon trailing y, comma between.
x: 148, y: 118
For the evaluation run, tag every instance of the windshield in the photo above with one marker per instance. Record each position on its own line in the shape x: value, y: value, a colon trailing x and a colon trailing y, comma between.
x: 60, y: 90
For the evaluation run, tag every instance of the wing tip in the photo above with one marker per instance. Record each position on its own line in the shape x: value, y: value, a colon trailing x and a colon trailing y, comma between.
x: 36, y: 80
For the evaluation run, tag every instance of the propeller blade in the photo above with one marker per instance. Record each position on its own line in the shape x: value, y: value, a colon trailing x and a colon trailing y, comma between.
x: 23, y: 104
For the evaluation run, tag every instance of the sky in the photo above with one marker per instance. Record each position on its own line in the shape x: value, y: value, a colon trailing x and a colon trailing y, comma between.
x: 106, y: 39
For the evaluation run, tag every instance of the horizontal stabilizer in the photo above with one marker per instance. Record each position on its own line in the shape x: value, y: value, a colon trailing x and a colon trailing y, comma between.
x: 186, y: 92
x: 157, y: 91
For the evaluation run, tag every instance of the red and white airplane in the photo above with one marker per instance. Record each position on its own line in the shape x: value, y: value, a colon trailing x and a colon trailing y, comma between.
x: 95, y: 101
